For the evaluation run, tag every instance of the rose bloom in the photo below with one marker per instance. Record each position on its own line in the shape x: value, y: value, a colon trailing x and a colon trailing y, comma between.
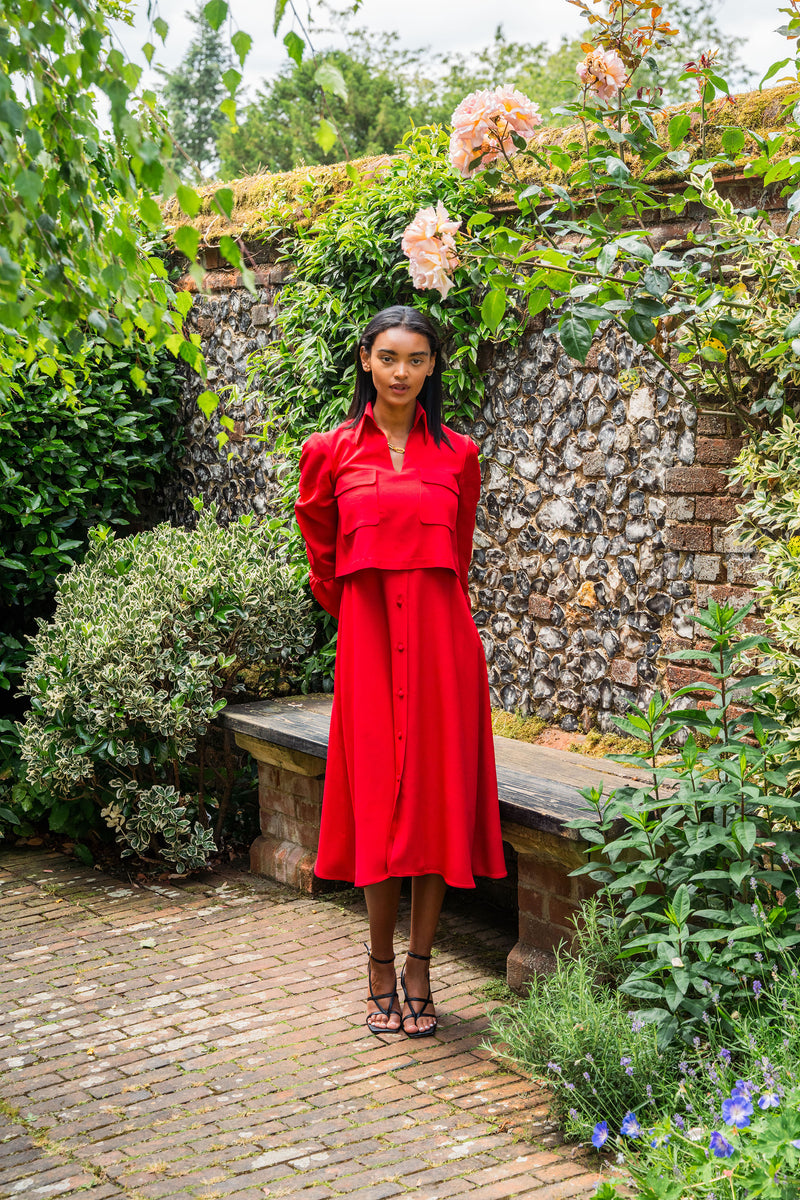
x: 430, y: 245
x: 603, y: 72
x: 483, y: 124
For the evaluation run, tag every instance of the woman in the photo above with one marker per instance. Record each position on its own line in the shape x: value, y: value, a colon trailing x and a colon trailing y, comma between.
x: 387, y: 508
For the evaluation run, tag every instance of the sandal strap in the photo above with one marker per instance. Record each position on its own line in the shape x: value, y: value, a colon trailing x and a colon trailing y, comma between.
x: 411, y: 954
x: 383, y: 961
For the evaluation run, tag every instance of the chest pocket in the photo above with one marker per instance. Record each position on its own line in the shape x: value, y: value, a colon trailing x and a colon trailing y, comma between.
x: 438, y: 499
x: 356, y: 495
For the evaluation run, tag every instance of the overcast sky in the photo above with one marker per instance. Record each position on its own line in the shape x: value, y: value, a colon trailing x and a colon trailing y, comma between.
x: 444, y: 25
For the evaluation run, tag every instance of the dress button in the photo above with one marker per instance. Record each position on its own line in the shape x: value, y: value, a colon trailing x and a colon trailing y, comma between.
x: 401, y: 647
x: 401, y: 694
x: 399, y: 601
x: 399, y: 737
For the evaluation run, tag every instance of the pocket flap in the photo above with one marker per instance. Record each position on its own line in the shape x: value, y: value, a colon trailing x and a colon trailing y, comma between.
x: 442, y: 480
x: 354, y: 479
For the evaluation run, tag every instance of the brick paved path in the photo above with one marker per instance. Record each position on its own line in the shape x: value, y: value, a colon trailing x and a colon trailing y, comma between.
x: 206, y: 1040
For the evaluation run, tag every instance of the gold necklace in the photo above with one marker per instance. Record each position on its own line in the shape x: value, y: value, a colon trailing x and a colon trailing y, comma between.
x: 397, y: 449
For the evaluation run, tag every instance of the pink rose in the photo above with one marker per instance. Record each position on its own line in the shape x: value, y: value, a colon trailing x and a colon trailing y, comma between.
x: 430, y: 245
x: 603, y: 72
x: 483, y: 124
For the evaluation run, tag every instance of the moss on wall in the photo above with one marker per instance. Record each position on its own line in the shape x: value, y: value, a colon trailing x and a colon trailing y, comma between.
x: 266, y: 204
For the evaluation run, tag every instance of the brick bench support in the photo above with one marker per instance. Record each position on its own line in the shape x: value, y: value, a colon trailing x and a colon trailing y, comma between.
x: 538, y: 791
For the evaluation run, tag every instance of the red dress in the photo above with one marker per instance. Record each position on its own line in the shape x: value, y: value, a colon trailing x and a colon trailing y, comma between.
x: 410, y: 785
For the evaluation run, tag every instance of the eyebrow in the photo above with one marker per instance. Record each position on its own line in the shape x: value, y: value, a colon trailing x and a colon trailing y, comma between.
x: 413, y: 354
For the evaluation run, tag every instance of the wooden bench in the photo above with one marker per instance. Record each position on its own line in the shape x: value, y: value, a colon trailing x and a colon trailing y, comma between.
x: 538, y: 789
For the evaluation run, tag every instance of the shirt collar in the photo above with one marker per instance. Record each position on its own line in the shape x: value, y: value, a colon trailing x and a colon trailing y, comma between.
x: 420, y: 416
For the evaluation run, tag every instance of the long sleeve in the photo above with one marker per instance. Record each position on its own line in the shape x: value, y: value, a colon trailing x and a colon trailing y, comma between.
x: 318, y: 518
x: 469, y: 484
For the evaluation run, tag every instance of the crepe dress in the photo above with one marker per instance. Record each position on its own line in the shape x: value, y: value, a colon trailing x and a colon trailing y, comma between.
x: 411, y: 785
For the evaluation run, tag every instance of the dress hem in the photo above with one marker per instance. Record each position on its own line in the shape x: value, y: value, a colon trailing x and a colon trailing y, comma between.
x: 411, y: 875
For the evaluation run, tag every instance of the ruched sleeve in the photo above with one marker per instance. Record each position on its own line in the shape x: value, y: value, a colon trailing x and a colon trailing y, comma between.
x: 469, y: 488
x: 318, y: 517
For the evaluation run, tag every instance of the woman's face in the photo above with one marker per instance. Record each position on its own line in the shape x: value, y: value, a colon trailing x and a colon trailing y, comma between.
x: 400, y: 361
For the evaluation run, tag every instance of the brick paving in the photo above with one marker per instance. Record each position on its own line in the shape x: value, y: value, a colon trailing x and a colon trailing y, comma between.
x: 205, y: 1039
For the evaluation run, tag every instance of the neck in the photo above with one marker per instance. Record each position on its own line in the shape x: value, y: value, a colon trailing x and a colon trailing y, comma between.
x: 395, y: 421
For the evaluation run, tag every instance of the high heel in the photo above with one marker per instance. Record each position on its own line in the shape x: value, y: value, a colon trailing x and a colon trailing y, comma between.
x: 415, y: 1015
x: 390, y: 996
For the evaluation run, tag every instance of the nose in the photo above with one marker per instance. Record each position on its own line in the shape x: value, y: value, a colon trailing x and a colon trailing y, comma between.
x: 401, y: 370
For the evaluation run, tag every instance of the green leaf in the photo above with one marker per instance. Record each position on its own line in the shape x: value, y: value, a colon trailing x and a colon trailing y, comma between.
x: 231, y: 79
x: 224, y: 199
x: 682, y: 904
x: 230, y: 250
x: 732, y: 139
x: 228, y: 108
x: 575, y: 335
x: 241, y: 43
x: 188, y: 199
x: 326, y: 135
x: 148, y: 50
x: 150, y: 212
x: 208, y: 403
x: 215, y: 12
x: 280, y: 9
x: 187, y: 240
x: 295, y: 46
x: 493, y: 308
x: 331, y: 80
x: 606, y: 257
x: 161, y: 27
x: 28, y: 185
x: 538, y: 300
x: 678, y: 128
x: 792, y: 329
x: 11, y: 114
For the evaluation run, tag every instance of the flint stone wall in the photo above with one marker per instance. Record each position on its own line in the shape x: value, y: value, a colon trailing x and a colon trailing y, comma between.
x: 602, y: 521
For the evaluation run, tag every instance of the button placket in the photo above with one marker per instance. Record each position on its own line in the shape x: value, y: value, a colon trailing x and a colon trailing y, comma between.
x: 398, y: 631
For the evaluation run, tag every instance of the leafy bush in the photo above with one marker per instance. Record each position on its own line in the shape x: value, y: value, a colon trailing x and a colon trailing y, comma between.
x: 768, y: 467
x: 577, y: 1031
x: 703, y: 860
x: 150, y: 638
x: 72, y: 457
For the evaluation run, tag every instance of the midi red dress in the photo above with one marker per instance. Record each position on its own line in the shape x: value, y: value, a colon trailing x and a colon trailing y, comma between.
x: 410, y: 786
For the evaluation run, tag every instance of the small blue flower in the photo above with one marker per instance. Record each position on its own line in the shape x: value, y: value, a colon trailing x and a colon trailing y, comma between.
x: 769, y: 1100
x: 630, y: 1126
x: 757, y: 987
x: 743, y: 1087
x: 600, y: 1135
x: 719, y: 1146
x: 796, y: 1143
x: 725, y: 1055
x: 737, y: 1111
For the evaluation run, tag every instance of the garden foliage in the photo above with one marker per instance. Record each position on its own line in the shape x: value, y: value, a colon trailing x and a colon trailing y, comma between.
x: 150, y: 637
x: 701, y: 857
x: 69, y: 460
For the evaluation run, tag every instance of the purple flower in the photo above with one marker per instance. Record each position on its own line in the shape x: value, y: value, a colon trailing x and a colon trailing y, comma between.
x: 679, y: 1121
x: 553, y: 1066
x: 757, y: 987
x: 737, y: 1111
x: 725, y: 1055
x: 600, y: 1135
x: 719, y: 1146
x: 769, y: 1100
x: 796, y: 1143
x: 630, y: 1126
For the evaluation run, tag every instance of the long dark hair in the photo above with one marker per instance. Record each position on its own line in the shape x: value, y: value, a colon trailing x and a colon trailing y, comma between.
x: 400, y: 316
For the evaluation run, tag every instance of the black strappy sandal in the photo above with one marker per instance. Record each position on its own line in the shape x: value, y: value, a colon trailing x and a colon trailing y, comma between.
x: 390, y: 996
x: 415, y: 1015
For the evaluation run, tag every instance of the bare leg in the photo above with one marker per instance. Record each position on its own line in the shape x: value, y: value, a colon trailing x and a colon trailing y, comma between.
x: 382, y: 901
x: 427, y: 894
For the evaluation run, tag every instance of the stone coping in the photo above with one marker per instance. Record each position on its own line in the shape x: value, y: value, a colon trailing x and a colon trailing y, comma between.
x: 538, y: 786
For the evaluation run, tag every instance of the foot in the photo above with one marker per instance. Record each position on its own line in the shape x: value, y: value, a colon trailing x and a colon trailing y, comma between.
x: 419, y: 1014
x: 383, y: 1005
